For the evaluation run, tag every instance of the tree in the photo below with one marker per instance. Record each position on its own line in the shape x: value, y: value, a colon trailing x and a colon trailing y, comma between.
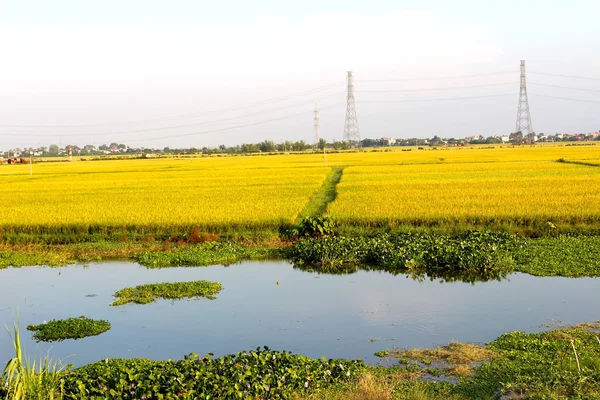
x: 53, y: 149
x: 300, y: 145
x: 368, y: 142
x: 322, y: 143
x: 492, y: 140
x: 266, y: 146
x: 516, y: 137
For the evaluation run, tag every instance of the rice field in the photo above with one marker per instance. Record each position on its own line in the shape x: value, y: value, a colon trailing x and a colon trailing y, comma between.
x: 480, y: 193
x: 150, y: 195
x: 478, y: 185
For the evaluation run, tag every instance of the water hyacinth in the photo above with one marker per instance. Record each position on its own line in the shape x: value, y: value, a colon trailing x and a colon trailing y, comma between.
x: 253, y: 374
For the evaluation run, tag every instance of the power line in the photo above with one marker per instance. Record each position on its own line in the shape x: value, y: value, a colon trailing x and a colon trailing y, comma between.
x: 170, y: 127
x: 438, y: 99
x: 231, y: 127
x: 436, y: 78
x: 435, y: 89
x: 197, y: 114
x: 565, y: 87
x: 565, y: 76
x: 565, y: 98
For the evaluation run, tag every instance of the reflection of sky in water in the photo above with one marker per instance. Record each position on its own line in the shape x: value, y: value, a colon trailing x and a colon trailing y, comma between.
x: 317, y: 315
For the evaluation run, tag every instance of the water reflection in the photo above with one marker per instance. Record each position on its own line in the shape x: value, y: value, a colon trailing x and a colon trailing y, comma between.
x: 317, y: 314
x: 419, y: 275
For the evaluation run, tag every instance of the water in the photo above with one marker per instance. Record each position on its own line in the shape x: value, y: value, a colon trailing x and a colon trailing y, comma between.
x: 349, y: 316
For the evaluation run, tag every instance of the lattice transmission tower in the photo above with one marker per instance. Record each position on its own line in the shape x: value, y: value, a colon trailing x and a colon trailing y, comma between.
x: 316, y: 127
x: 351, y: 131
x: 523, y: 115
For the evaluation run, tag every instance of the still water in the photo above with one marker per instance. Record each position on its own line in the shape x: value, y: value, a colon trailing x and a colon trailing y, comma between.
x: 349, y: 316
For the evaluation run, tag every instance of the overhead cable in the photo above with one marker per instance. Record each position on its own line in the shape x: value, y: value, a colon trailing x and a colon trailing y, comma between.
x: 196, y: 114
x: 436, y: 78
x: 168, y: 127
x: 438, y: 99
x: 564, y: 76
x: 436, y: 89
x: 565, y: 98
x: 207, y: 132
x: 564, y: 87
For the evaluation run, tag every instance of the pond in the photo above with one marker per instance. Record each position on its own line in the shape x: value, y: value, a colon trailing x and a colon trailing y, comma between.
x: 349, y: 316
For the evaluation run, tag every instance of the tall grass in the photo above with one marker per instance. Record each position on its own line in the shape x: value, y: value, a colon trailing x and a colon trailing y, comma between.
x: 27, y: 379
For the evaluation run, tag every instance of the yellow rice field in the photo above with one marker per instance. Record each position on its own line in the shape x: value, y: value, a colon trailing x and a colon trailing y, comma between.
x: 469, y: 192
x: 208, y: 193
x: 479, y: 184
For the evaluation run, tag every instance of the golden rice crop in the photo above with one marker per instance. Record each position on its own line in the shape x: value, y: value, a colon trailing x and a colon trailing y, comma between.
x: 241, y: 192
x: 479, y: 183
x: 468, y: 192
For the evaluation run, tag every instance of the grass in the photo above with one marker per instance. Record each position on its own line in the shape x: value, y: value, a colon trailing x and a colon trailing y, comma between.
x: 151, y: 253
x: 201, y: 254
x: 379, y: 383
x: 540, y: 365
x: 515, y: 365
x: 144, y: 294
x: 24, y: 379
x: 589, y: 164
x: 71, y: 328
x: 326, y: 194
x: 454, y: 359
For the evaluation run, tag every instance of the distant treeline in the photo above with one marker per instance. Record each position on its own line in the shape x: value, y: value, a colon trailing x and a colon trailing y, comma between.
x: 269, y: 146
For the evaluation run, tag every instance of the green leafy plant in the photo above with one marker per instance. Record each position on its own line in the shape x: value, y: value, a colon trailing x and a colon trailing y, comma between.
x: 144, y: 294
x: 317, y: 226
x: 561, y: 256
x: 208, y: 253
x: 71, y: 328
x: 470, y: 256
x: 259, y: 374
x: 24, y: 379
x: 540, y: 365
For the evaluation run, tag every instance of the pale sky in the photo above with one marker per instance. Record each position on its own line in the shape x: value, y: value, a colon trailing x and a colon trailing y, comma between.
x: 105, y: 63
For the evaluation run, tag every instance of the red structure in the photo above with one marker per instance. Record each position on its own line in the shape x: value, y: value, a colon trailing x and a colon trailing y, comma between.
x: 16, y: 160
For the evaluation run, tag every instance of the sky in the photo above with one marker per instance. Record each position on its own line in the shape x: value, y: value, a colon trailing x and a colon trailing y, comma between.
x: 200, y: 73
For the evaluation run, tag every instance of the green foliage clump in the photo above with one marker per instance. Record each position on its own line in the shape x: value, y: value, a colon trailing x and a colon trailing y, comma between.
x: 316, y: 226
x: 144, y: 294
x: 561, y: 256
x: 313, y: 226
x: 482, y: 253
x: 259, y: 374
x: 540, y: 365
x: 51, y: 257
x: 382, y: 353
x: 71, y: 328
x: 209, y: 253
